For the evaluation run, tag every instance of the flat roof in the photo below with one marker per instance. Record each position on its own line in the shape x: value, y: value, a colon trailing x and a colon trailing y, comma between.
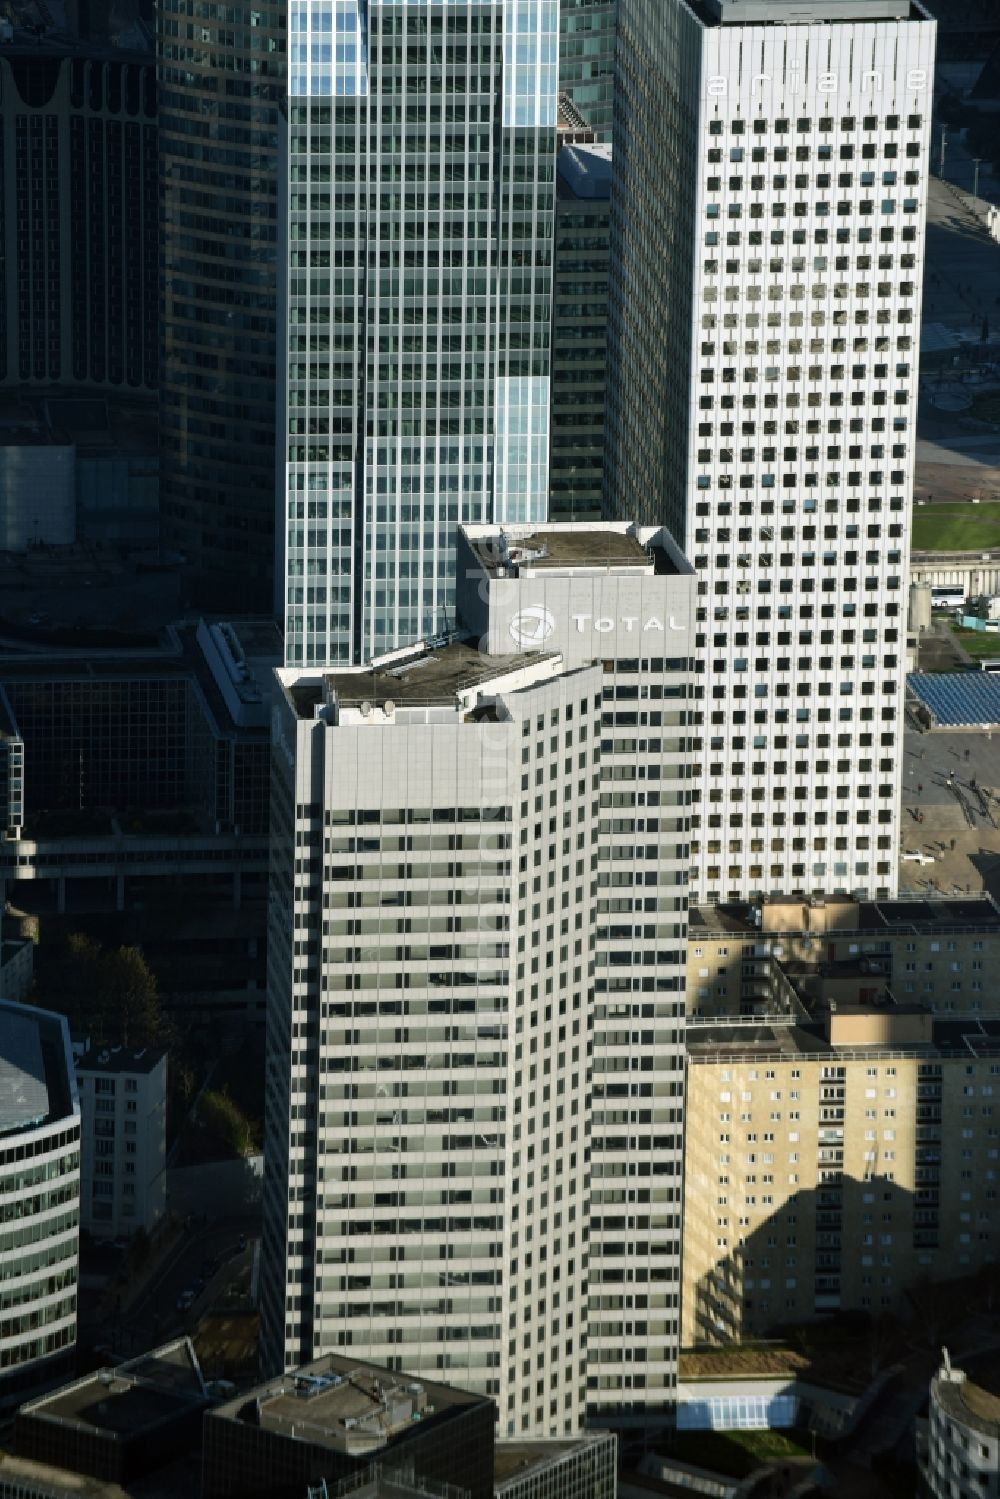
x: 707, y: 1042
x: 37, y: 1082
x: 120, y: 1059
x: 24, y: 1094
x: 512, y: 1460
x: 958, y: 699
x: 130, y: 1399
x: 334, y: 1401
x: 543, y: 547
x: 804, y: 12
x: 425, y: 676
x: 961, y: 1038
x: 975, y: 1401
x: 874, y: 917
x: 584, y: 171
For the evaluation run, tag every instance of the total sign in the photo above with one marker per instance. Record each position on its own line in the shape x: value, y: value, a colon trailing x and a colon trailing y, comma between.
x: 530, y: 628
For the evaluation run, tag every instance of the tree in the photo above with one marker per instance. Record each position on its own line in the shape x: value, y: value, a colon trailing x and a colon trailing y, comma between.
x: 110, y: 996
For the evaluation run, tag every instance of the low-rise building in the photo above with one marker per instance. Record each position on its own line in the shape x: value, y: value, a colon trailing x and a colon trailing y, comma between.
x: 583, y: 1467
x: 834, y: 1165
x: 962, y: 1454
x: 116, y: 1424
x: 336, y: 1417
x: 39, y: 1198
x: 123, y: 1107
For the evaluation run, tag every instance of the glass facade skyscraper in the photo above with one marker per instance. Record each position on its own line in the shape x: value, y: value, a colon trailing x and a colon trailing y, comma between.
x: 587, y: 60
x: 221, y: 90
x: 421, y: 166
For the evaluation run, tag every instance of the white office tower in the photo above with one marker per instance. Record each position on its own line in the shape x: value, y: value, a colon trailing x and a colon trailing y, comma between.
x: 624, y: 596
x: 474, y: 1076
x: 421, y: 192
x: 771, y: 159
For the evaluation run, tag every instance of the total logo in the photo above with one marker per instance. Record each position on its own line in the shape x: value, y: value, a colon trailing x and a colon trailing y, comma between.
x: 531, y: 627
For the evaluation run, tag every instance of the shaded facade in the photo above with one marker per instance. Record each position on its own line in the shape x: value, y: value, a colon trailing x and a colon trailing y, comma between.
x: 221, y: 88
x: 78, y: 215
x: 579, y: 331
x: 39, y: 1198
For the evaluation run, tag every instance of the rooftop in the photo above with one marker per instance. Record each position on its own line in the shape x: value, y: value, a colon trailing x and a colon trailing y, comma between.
x: 429, y: 675
x: 883, y: 917
x: 24, y: 1096
x: 518, y: 551
x: 957, y: 699
x: 36, y: 1079
x: 974, y: 1399
x: 584, y: 171
x: 347, y: 1406
x: 120, y: 1059
x: 131, y: 1400
x: 512, y: 1460
x: 802, y: 12
x: 423, y: 676
x: 960, y: 1038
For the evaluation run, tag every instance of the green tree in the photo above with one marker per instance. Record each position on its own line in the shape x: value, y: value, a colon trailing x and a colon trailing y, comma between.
x: 110, y: 996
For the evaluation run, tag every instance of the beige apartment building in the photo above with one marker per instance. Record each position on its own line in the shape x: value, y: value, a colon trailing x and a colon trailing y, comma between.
x: 790, y: 957
x: 831, y: 1166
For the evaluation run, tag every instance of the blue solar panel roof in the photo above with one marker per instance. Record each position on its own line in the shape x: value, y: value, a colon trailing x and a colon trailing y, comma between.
x: 967, y: 697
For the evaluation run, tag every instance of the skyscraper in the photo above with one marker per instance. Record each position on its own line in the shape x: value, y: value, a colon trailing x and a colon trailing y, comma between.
x: 78, y: 209
x: 221, y: 93
x: 767, y: 254
x: 579, y: 330
x: 421, y: 166
x: 587, y: 60
x: 477, y: 901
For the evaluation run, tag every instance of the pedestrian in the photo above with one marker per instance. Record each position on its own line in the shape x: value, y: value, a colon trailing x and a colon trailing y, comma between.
x: 920, y: 785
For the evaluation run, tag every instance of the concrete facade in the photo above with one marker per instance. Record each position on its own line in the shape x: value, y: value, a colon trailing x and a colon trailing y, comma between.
x: 123, y: 1105
x: 827, y: 1174
x: 582, y: 734
x: 767, y: 250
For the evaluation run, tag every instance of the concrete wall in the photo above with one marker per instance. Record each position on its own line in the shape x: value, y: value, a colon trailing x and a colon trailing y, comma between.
x: 221, y: 1189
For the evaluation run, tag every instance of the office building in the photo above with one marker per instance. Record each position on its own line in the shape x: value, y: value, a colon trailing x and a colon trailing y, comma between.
x: 137, y: 780
x: 587, y: 60
x: 584, y: 1467
x: 78, y: 204
x: 961, y: 1446
x: 421, y: 164
x: 422, y: 1199
x: 767, y: 257
x: 333, y: 1419
x: 834, y: 1165
x: 579, y: 330
x: 532, y: 795
x: 39, y: 1198
x: 123, y: 1108
x: 221, y: 82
